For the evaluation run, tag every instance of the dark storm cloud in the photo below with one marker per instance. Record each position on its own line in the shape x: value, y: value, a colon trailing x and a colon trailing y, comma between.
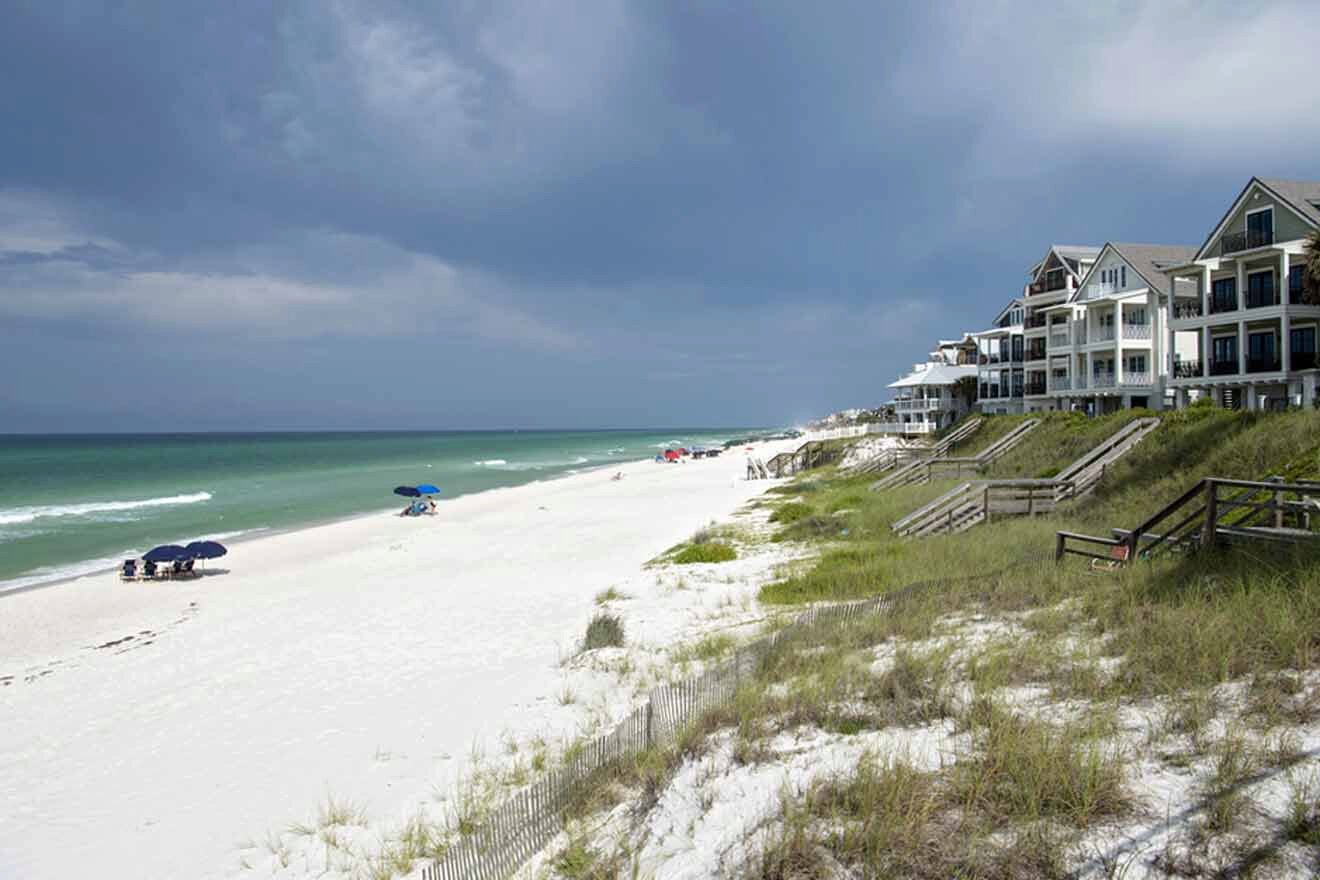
x: 585, y: 211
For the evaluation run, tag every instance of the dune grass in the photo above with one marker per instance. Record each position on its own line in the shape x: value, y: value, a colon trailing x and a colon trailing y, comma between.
x: 604, y: 631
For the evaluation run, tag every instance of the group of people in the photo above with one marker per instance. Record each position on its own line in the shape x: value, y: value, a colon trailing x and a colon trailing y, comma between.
x: 419, y: 506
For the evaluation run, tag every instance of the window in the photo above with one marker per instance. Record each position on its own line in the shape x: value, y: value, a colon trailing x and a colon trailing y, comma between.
x: 1302, y: 339
x: 1295, y: 284
x: 1260, y: 228
x: 1017, y: 348
x: 1135, y: 363
x: 1225, y: 349
x: 1260, y: 289
x: 1135, y: 316
x: 1223, y: 295
x: 1122, y: 270
x: 1261, y: 354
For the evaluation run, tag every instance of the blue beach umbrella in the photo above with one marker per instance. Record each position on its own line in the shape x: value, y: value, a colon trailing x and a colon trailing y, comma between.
x: 205, y: 550
x: 165, y: 553
x: 406, y: 491
x: 428, y: 489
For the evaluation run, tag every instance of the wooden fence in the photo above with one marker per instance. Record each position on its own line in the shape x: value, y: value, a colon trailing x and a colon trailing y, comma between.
x: 524, y: 824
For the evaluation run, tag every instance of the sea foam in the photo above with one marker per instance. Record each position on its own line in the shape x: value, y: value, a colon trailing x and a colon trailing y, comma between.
x: 16, y: 515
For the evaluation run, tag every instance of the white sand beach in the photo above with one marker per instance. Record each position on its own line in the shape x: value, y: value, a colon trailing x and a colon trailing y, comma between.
x: 150, y: 730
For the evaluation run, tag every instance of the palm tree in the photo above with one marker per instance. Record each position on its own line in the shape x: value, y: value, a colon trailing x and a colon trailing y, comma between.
x: 1311, y: 270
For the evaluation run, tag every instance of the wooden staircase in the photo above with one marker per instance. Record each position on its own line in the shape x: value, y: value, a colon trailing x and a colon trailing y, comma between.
x: 924, y: 470
x: 811, y: 454
x: 890, y: 458
x: 1215, y: 511
x: 973, y: 502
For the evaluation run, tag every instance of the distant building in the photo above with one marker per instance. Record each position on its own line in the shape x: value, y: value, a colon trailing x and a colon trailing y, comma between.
x: 1053, y: 281
x: 1000, y: 350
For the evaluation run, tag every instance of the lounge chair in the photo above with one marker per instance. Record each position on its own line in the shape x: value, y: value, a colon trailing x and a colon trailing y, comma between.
x: 187, y: 569
x: 149, y: 570
x: 129, y: 570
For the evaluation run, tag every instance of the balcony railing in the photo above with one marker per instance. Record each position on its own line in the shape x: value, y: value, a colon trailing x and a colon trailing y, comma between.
x: 1136, y: 380
x: 1059, y: 340
x: 1102, y: 334
x: 1262, y: 299
x: 1303, y: 360
x: 1061, y: 383
x: 1232, y: 242
x: 1034, y: 321
x: 1035, y: 388
x: 1048, y: 284
x: 1223, y: 368
x: 1187, y: 369
x: 1035, y: 352
x: 1102, y: 380
x: 1136, y: 331
x: 1263, y: 365
x: 1223, y: 304
x: 1187, y: 309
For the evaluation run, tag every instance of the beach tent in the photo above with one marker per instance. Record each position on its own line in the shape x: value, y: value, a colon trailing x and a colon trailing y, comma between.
x: 671, y: 455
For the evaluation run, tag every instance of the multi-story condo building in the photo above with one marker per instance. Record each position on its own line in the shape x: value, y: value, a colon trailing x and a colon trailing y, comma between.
x: 1054, y: 280
x: 936, y: 394
x: 1000, y: 379
x: 1239, y: 329
x: 1106, y: 345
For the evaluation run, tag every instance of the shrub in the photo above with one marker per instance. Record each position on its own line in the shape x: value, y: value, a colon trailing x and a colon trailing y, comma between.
x: 710, y: 551
x: 604, y: 631
x: 791, y: 512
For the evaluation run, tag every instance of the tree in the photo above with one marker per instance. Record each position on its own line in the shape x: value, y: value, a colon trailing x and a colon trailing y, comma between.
x: 1311, y: 270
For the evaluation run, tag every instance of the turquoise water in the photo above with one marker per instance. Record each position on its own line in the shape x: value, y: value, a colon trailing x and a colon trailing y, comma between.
x: 75, y: 504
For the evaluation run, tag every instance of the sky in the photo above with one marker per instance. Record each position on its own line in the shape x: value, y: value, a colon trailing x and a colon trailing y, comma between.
x: 378, y: 214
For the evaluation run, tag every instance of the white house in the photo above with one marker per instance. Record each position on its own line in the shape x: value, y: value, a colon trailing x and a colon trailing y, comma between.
x: 1239, y: 330
x: 1107, y: 345
x: 1053, y: 281
x: 999, y: 378
x: 929, y: 398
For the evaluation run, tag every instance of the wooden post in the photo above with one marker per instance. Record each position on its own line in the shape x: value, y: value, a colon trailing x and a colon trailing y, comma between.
x: 1278, y: 510
x: 985, y: 503
x: 1211, y: 514
x: 1031, y: 501
x: 1059, y: 540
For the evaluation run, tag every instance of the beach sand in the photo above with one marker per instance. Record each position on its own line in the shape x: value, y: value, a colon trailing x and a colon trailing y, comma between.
x: 154, y: 729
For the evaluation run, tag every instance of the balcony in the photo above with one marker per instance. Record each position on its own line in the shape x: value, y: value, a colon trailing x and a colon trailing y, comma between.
x: 1303, y: 360
x: 1187, y: 309
x: 1035, y: 388
x: 1036, y: 352
x: 1234, y: 242
x: 1187, y: 370
x: 1262, y: 299
x: 1102, y: 334
x: 1136, y: 331
x: 1034, y: 321
x: 1223, y: 368
x: 1102, y: 380
x: 1061, y: 383
x: 1263, y: 365
x: 919, y: 404
x: 1054, y: 280
x: 1136, y: 380
x: 1059, y: 340
x: 1220, y: 304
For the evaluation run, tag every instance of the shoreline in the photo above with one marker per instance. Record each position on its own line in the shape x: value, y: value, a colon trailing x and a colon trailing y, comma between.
x: 258, y: 533
x: 359, y: 660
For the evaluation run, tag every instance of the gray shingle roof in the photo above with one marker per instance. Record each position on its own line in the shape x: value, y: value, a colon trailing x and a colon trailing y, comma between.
x: 1149, y: 260
x: 1304, y: 195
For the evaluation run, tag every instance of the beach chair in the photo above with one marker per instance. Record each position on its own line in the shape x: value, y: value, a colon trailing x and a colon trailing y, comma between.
x: 1118, y: 557
x: 129, y: 570
x: 187, y: 570
x: 149, y: 570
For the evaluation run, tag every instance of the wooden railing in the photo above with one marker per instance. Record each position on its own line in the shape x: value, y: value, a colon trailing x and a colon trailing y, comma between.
x: 1212, y: 511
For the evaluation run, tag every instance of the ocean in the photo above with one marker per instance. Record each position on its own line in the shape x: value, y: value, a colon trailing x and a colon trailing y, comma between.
x: 76, y: 504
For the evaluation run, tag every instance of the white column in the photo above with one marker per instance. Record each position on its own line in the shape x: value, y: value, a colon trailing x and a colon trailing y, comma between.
x: 1180, y: 398
x: 1283, y: 278
x: 1207, y: 350
x: 1308, y: 390
x: 1251, y: 397
x: 1241, y: 285
x: 1118, y: 345
x: 1285, y: 343
x: 1242, y: 343
x: 1206, y: 287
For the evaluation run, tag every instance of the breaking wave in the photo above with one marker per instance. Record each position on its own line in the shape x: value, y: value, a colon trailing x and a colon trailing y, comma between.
x: 16, y: 515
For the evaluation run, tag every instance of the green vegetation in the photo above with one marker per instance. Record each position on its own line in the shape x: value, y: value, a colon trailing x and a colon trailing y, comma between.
x: 613, y: 594
x: 604, y: 631
x: 712, y: 551
x: 791, y: 512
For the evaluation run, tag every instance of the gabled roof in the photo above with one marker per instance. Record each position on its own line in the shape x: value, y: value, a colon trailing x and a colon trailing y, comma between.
x: 1147, y: 260
x: 1065, y: 252
x: 1302, y: 196
x: 935, y: 374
